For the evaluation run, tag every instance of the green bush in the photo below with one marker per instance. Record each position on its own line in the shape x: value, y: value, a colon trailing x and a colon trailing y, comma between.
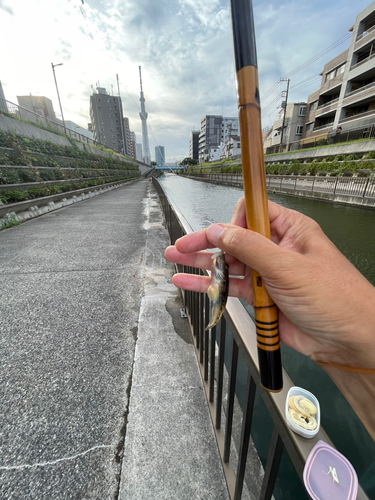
x: 16, y: 195
x: 9, y: 176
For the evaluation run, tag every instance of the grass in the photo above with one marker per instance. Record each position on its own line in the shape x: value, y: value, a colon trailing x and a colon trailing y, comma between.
x: 9, y: 222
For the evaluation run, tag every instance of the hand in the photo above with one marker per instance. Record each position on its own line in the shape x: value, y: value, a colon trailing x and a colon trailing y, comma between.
x: 327, y: 308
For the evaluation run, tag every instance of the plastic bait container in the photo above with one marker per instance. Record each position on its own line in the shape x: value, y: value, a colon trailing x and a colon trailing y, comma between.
x: 298, y: 391
x: 328, y: 475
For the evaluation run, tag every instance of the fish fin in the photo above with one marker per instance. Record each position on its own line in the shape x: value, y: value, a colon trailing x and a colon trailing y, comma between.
x: 212, y: 293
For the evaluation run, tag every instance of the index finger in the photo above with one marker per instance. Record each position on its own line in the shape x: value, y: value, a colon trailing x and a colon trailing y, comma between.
x: 193, y: 242
x: 239, y: 212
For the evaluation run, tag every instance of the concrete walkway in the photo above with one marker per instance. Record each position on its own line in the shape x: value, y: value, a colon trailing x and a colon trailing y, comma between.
x: 100, y: 395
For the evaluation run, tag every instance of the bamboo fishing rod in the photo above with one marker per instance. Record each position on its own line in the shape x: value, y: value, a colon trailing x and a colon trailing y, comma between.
x: 254, y: 181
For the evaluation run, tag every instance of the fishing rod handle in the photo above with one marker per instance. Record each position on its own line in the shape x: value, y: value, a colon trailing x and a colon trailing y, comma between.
x: 256, y: 203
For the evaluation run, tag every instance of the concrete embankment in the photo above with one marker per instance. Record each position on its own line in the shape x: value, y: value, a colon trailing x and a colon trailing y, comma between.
x: 101, y: 397
x: 311, y: 154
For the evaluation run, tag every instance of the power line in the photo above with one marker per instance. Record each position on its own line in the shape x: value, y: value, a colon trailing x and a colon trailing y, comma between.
x: 310, y: 61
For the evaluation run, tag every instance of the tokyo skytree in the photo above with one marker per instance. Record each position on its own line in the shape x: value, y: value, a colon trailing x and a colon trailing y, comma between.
x: 143, y: 115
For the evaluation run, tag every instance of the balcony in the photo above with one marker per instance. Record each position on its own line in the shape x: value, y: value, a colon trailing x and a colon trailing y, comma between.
x: 321, y: 127
x: 362, y: 62
x: 328, y: 106
x: 364, y: 37
x: 358, y: 115
x: 359, y: 94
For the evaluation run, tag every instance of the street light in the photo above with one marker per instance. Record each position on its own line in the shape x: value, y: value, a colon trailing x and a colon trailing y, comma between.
x: 58, y: 95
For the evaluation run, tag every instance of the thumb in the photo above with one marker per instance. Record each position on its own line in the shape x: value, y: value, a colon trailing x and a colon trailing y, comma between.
x: 253, y: 249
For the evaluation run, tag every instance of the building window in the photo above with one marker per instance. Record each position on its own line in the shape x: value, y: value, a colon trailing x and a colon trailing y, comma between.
x: 309, y: 126
x: 313, y: 105
x: 340, y: 70
x: 302, y: 111
x: 330, y: 75
x: 299, y: 129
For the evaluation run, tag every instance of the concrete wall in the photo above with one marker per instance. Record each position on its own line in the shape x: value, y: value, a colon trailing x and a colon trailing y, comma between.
x: 301, y: 155
x: 31, y: 132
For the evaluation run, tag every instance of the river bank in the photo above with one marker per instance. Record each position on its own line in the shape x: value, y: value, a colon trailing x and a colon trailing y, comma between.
x: 354, y: 191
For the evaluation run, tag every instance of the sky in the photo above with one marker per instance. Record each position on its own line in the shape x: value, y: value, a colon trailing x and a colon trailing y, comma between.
x: 185, y: 49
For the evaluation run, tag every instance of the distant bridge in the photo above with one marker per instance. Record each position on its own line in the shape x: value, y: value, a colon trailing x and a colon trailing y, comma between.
x: 170, y: 167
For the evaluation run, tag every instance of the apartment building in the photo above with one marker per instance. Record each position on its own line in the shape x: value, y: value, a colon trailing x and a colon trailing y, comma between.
x: 232, y: 148
x: 288, y: 128
x: 128, y: 144
x: 107, y: 119
x: 209, y: 136
x: 346, y: 97
x: 229, y: 127
x: 214, y: 133
x: 194, y: 145
x: 133, y: 142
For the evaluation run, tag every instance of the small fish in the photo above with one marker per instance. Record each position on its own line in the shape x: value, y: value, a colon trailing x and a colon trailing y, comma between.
x: 218, y: 290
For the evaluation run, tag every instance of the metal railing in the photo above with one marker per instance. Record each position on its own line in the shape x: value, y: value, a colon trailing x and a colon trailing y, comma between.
x: 358, y: 115
x: 34, y: 118
x: 365, y: 33
x: 359, y: 187
x: 362, y: 62
x: 361, y: 89
x: 321, y: 106
x: 236, y: 330
x: 344, y: 186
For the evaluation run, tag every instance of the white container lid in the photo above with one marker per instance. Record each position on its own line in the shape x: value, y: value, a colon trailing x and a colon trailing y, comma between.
x: 299, y: 391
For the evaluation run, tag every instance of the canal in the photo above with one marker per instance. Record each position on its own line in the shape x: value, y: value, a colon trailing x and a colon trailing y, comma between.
x: 352, y: 230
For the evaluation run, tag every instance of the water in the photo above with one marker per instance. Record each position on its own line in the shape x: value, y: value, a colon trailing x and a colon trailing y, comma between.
x: 353, y: 232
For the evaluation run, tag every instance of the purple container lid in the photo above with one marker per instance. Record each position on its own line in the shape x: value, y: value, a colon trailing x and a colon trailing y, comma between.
x: 328, y: 475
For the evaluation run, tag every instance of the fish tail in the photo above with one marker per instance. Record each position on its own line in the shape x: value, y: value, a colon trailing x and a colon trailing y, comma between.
x: 216, y: 314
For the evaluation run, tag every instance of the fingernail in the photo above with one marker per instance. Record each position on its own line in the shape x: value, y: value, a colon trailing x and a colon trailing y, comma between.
x: 214, y: 233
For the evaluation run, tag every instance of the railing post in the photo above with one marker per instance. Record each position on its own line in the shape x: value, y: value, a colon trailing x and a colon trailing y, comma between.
x: 230, y: 403
x: 272, y: 466
x: 334, y: 191
x: 364, y: 192
x: 220, y: 378
x: 245, y: 435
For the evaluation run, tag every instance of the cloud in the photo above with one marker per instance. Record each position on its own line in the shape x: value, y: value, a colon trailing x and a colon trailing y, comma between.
x: 6, y: 8
x: 184, y: 48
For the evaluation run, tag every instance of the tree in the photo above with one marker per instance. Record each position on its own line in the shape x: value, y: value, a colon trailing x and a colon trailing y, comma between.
x: 189, y: 161
x: 154, y: 164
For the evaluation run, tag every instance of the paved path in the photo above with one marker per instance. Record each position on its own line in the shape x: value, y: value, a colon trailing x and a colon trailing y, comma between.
x: 92, y: 405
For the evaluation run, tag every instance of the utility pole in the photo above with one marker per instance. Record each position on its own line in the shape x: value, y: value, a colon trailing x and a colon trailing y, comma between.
x: 58, y: 95
x: 284, y: 93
